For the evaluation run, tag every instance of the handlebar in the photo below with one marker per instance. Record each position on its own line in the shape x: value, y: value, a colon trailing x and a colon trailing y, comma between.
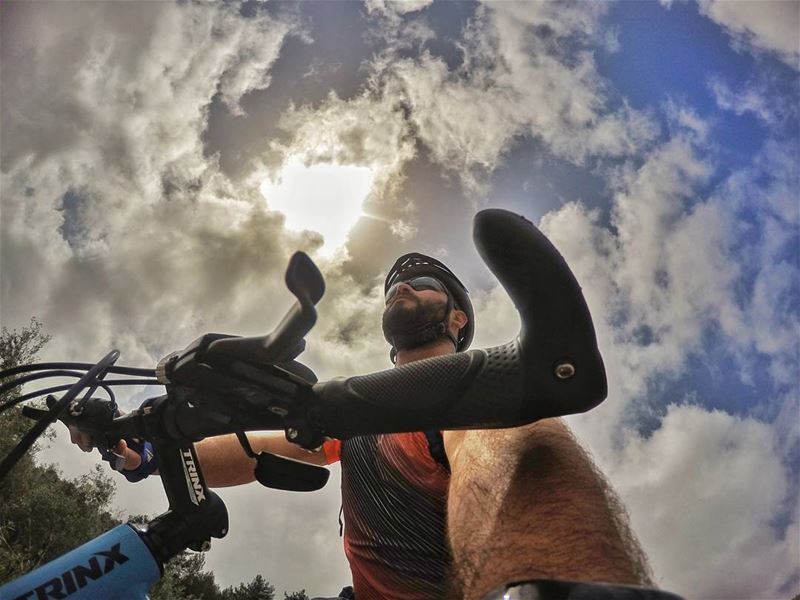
x: 224, y: 384
x: 552, y: 368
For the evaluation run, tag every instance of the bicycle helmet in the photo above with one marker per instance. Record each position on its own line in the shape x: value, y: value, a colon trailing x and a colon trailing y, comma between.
x: 415, y: 264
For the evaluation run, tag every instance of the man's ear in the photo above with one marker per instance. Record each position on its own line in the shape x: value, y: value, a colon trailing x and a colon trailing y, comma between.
x: 458, y: 318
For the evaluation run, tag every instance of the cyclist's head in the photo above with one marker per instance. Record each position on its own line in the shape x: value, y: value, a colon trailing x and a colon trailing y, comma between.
x: 434, y: 292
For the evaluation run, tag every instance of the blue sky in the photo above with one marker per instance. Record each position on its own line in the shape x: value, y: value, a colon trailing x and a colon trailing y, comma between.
x: 655, y: 143
x: 678, y: 58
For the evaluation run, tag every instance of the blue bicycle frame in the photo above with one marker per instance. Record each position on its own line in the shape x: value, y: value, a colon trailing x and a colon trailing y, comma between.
x: 125, y: 562
x: 117, y: 565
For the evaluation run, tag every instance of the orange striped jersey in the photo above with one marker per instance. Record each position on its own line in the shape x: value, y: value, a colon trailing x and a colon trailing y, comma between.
x: 394, y: 494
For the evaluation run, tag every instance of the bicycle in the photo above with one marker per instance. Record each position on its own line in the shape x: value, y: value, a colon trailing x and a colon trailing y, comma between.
x: 221, y: 384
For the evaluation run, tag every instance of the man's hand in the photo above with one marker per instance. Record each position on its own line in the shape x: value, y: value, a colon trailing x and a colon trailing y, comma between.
x: 80, y: 439
x: 84, y: 441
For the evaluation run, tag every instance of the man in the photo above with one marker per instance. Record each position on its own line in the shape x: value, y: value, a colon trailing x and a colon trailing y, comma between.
x: 459, y: 513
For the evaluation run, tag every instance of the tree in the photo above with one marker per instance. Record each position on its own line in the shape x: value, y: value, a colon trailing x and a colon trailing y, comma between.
x: 258, y: 589
x: 42, y: 515
x: 21, y: 348
x: 301, y: 595
x: 185, y: 579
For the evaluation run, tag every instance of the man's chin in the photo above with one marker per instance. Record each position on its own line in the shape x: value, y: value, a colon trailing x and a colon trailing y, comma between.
x: 400, y: 317
x: 400, y: 305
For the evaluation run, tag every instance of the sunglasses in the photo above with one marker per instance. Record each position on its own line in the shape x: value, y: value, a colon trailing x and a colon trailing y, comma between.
x: 419, y: 284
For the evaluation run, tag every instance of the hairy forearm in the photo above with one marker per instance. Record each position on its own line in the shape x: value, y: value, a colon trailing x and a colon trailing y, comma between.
x: 225, y: 463
x: 528, y: 503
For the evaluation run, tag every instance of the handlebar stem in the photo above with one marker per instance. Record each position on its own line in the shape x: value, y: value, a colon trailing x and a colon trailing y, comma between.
x: 172, y: 532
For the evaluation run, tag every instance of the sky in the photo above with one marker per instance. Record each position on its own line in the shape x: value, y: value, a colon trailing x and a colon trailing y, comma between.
x: 161, y: 161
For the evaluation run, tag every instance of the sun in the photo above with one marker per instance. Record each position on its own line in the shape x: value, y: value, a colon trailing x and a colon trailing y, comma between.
x: 324, y: 197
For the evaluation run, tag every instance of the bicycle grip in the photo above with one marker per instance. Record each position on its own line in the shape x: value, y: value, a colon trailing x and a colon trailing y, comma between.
x: 552, y: 368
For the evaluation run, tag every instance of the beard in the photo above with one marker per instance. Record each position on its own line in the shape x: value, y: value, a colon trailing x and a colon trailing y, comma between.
x: 404, y: 318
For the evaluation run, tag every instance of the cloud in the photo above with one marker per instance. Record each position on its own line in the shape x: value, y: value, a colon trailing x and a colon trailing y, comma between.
x: 517, y: 79
x: 764, y: 196
x: 664, y: 272
x: 119, y: 232
x: 111, y: 186
x: 747, y: 100
x: 368, y: 130
x: 672, y: 264
x: 637, y: 280
x: 399, y: 7
x: 757, y: 27
x: 496, y: 319
x: 398, y: 26
x: 703, y: 492
x: 669, y: 266
x: 348, y: 337
x: 763, y: 97
x: 771, y: 26
x: 294, y: 535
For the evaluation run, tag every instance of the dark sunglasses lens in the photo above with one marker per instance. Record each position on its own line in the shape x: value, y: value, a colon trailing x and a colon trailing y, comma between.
x: 418, y: 283
x: 427, y: 283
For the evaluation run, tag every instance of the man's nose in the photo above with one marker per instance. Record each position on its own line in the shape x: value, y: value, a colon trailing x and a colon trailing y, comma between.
x: 403, y: 286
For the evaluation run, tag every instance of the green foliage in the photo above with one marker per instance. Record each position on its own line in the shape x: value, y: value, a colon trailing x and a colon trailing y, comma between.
x: 258, y: 589
x: 42, y: 515
x: 20, y: 348
x: 185, y: 579
x: 301, y: 595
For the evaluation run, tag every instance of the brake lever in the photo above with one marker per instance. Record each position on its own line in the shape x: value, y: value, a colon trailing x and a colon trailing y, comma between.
x: 278, y: 348
x: 286, y: 342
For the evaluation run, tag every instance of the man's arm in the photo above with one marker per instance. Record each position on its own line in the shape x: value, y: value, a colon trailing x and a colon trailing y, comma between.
x: 528, y: 503
x: 222, y: 458
x: 225, y: 463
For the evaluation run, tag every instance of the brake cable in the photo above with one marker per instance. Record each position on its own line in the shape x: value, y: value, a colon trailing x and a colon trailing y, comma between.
x: 119, y: 370
x: 92, y: 379
x: 105, y: 385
